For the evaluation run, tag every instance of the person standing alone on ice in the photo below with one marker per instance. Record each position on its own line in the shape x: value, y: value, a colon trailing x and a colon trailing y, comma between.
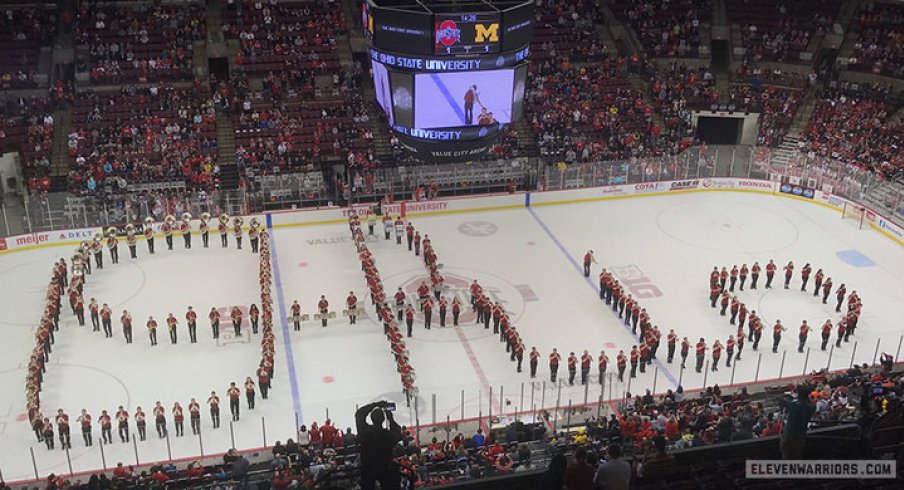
x: 588, y: 259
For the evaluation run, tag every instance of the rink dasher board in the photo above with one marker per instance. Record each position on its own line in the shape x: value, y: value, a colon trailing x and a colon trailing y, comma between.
x: 498, y: 202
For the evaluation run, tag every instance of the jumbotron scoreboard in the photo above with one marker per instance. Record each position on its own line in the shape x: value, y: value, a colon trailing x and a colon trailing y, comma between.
x: 449, y: 75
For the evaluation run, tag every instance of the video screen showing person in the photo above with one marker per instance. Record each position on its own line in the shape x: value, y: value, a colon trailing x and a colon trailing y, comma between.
x: 381, y: 87
x: 448, y: 100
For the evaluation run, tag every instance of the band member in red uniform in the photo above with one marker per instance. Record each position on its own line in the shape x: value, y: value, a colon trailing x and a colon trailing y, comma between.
x: 770, y: 273
x: 62, y: 421
x: 214, y: 317
x: 171, y: 323
x: 519, y: 353
x: 554, y: 359
x: 106, y: 427
x: 572, y: 368
x: 635, y: 359
x: 250, y: 392
x: 717, y: 355
x: 802, y: 336
x: 805, y: 276
x: 714, y: 277
x: 427, y: 306
x: 742, y: 315
x: 723, y: 277
x: 84, y: 421
x: 263, y: 381
x: 141, y: 423
x: 729, y: 350
x: 644, y: 351
x: 79, y: 307
x: 192, y: 319
x: 735, y: 307
x: 475, y: 290
x: 214, y: 403
x: 223, y: 228
x: 194, y: 411
x: 351, y: 302
x: 296, y: 315
x: 534, y: 360
x: 399, y: 230
x: 254, y: 315
x: 178, y: 419
x: 826, y: 290
x: 443, y: 306
x: 204, y: 227
x: 842, y: 332
x: 417, y: 243
x: 789, y: 272
x: 586, y: 360
x: 234, y: 394
x: 323, y: 307
x: 733, y: 277
x: 409, y: 318
x: 236, y: 316
x: 94, y: 310
x: 725, y: 301
x: 742, y: 275
x: 820, y: 276
x: 672, y: 340
x: 826, y: 334
x: 105, y: 314
x: 777, y: 330
x: 839, y: 295
x: 621, y: 362
x: 740, y: 336
x: 602, y: 363
x: 152, y: 330
x: 160, y: 420
x: 701, y: 354
x: 756, y: 331
x: 122, y: 423
x: 456, y: 310
x: 714, y: 293
x: 755, y: 270
x: 588, y: 259
x: 387, y: 226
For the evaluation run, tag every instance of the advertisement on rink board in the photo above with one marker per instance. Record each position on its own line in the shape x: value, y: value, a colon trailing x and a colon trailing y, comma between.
x: 645, y: 187
x: 48, y: 237
x: 683, y: 185
x: 797, y: 190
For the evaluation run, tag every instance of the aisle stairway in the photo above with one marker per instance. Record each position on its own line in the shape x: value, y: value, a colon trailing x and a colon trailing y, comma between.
x: 59, y: 156
x: 229, y: 171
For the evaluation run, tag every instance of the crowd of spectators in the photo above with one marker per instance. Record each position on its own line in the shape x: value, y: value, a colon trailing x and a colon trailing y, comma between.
x: 879, y: 48
x: 26, y: 126
x: 776, y: 107
x: 23, y: 31
x: 140, y: 42
x: 143, y: 134
x: 275, y: 36
x: 779, y: 30
x: 853, y: 127
x: 567, y: 30
x: 666, y: 28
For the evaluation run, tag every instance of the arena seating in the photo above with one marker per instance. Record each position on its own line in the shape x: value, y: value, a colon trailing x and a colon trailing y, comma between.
x: 669, y: 29
x: 567, y: 29
x: 23, y: 31
x: 880, y: 46
x: 26, y: 125
x: 156, y: 134
x: 774, y: 30
x: 295, y: 36
x: 140, y: 42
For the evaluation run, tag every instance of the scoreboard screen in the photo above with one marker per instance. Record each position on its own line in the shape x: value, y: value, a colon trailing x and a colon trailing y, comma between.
x: 469, y: 33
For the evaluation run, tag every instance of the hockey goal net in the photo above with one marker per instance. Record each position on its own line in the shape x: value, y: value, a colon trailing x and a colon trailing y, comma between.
x: 854, y: 214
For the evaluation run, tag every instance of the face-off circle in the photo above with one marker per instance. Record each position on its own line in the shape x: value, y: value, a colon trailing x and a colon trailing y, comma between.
x: 458, y: 285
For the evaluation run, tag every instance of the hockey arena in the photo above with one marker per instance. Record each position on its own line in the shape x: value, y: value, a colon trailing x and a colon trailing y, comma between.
x: 483, y: 244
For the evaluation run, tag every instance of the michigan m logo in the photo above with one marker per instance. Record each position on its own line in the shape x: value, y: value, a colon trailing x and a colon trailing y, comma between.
x: 485, y: 33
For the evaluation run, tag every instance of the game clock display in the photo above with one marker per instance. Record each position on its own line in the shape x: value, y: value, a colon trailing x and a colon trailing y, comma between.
x: 472, y: 33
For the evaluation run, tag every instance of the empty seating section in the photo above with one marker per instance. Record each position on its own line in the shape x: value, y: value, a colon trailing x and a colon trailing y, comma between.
x: 567, y: 29
x: 140, y: 42
x: 779, y: 30
x: 141, y: 135
x: 23, y: 31
x: 666, y: 28
x: 880, y: 46
x: 272, y: 38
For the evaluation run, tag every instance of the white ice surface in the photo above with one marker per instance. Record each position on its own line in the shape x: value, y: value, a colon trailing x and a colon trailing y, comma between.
x: 673, y: 240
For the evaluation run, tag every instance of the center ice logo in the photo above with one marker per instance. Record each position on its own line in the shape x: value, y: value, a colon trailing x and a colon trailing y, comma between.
x: 458, y: 286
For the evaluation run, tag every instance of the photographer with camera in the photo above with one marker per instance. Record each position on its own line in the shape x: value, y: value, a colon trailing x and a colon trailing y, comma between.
x: 375, y: 444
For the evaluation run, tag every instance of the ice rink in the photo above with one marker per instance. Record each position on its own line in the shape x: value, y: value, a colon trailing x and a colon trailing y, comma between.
x: 528, y: 258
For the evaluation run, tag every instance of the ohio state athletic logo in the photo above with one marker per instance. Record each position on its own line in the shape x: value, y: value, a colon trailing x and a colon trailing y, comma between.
x: 457, y: 285
x: 448, y: 33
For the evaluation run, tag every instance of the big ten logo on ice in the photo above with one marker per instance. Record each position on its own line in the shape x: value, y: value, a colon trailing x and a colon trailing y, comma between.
x: 457, y: 285
x: 227, y: 330
x: 636, y: 281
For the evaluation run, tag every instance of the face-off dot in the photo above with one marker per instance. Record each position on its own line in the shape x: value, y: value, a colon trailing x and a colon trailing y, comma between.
x: 531, y: 243
x: 610, y: 345
x: 302, y: 264
x: 328, y: 379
